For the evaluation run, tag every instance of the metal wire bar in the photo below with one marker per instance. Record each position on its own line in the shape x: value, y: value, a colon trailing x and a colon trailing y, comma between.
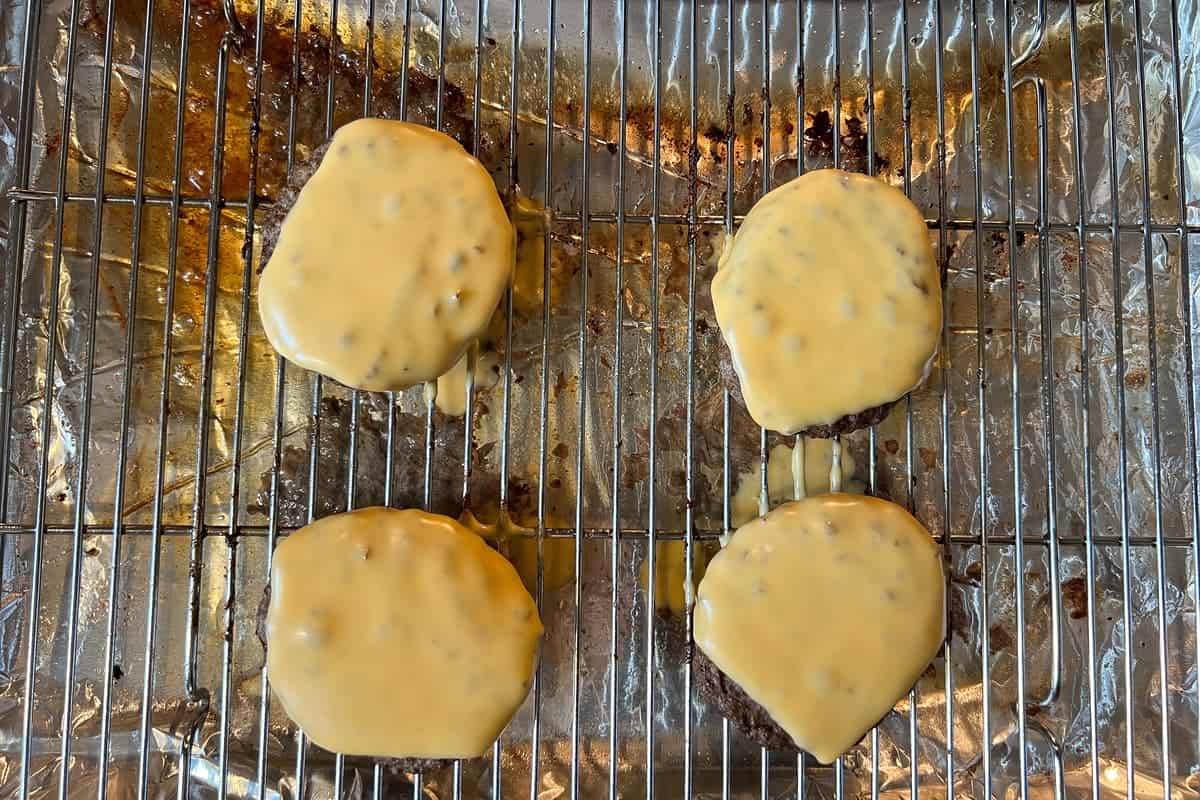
x: 544, y: 398
x: 195, y: 694
x: 277, y: 442
x: 910, y: 479
x: 652, y: 483
x: 591, y: 533
x: 17, y: 219
x: 581, y: 417
x: 314, y: 420
x: 801, y: 118
x: 24, y: 196
x: 231, y: 537
x: 35, y: 587
x: 1122, y: 444
x: 85, y: 436
x: 122, y: 449
x: 164, y: 406
x: 617, y: 395
x: 981, y: 397
x: 764, y: 757
x: 1085, y: 402
x: 1185, y: 294
x: 513, y: 143
x: 689, y: 521
x: 473, y: 352
x: 1160, y: 566
x: 1014, y: 380
x: 837, y: 94
x: 727, y: 432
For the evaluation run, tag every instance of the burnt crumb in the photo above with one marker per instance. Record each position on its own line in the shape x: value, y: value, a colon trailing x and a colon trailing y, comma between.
x: 960, y: 619
x: 560, y: 450
x: 1021, y: 236
x: 819, y: 138
x: 819, y: 135
x: 998, y: 241
x: 714, y: 133
x: 729, y: 102
x: 117, y: 672
x: 1075, y: 597
x: 974, y: 573
x: 641, y: 119
x: 1000, y: 637
x: 1136, y: 377
x: 635, y: 469
x: 891, y: 446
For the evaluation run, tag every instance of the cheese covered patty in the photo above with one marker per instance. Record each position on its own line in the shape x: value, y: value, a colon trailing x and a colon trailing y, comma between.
x: 398, y: 634
x: 829, y: 299
x: 825, y: 612
x: 390, y: 262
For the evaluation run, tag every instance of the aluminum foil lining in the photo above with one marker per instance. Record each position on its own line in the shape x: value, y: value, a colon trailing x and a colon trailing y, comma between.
x: 993, y: 446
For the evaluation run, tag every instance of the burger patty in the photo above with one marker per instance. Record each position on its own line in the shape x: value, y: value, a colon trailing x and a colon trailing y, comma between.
x: 271, y: 220
x: 843, y: 425
x: 393, y: 766
x: 737, y: 706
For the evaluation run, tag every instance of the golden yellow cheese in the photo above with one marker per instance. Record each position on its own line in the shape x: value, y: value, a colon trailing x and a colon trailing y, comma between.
x: 829, y: 299
x: 390, y: 262
x: 672, y: 592
x: 517, y: 540
x: 782, y: 475
x: 398, y: 634
x: 825, y: 611
x: 479, y: 368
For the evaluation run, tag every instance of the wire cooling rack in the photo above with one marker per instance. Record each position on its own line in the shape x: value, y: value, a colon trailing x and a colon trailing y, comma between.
x: 155, y: 448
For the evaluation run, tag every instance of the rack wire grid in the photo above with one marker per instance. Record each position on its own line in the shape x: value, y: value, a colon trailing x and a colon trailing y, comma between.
x: 156, y: 449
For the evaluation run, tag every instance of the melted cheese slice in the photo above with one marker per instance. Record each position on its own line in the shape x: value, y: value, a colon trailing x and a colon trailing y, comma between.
x: 829, y: 299
x: 391, y: 261
x: 825, y: 612
x: 398, y: 634
x: 781, y: 477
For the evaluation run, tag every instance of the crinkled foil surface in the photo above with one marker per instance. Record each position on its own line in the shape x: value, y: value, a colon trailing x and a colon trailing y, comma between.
x: 1057, y: 410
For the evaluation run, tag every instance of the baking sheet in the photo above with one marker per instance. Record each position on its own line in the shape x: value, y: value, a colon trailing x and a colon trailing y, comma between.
x: 205, y: 690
